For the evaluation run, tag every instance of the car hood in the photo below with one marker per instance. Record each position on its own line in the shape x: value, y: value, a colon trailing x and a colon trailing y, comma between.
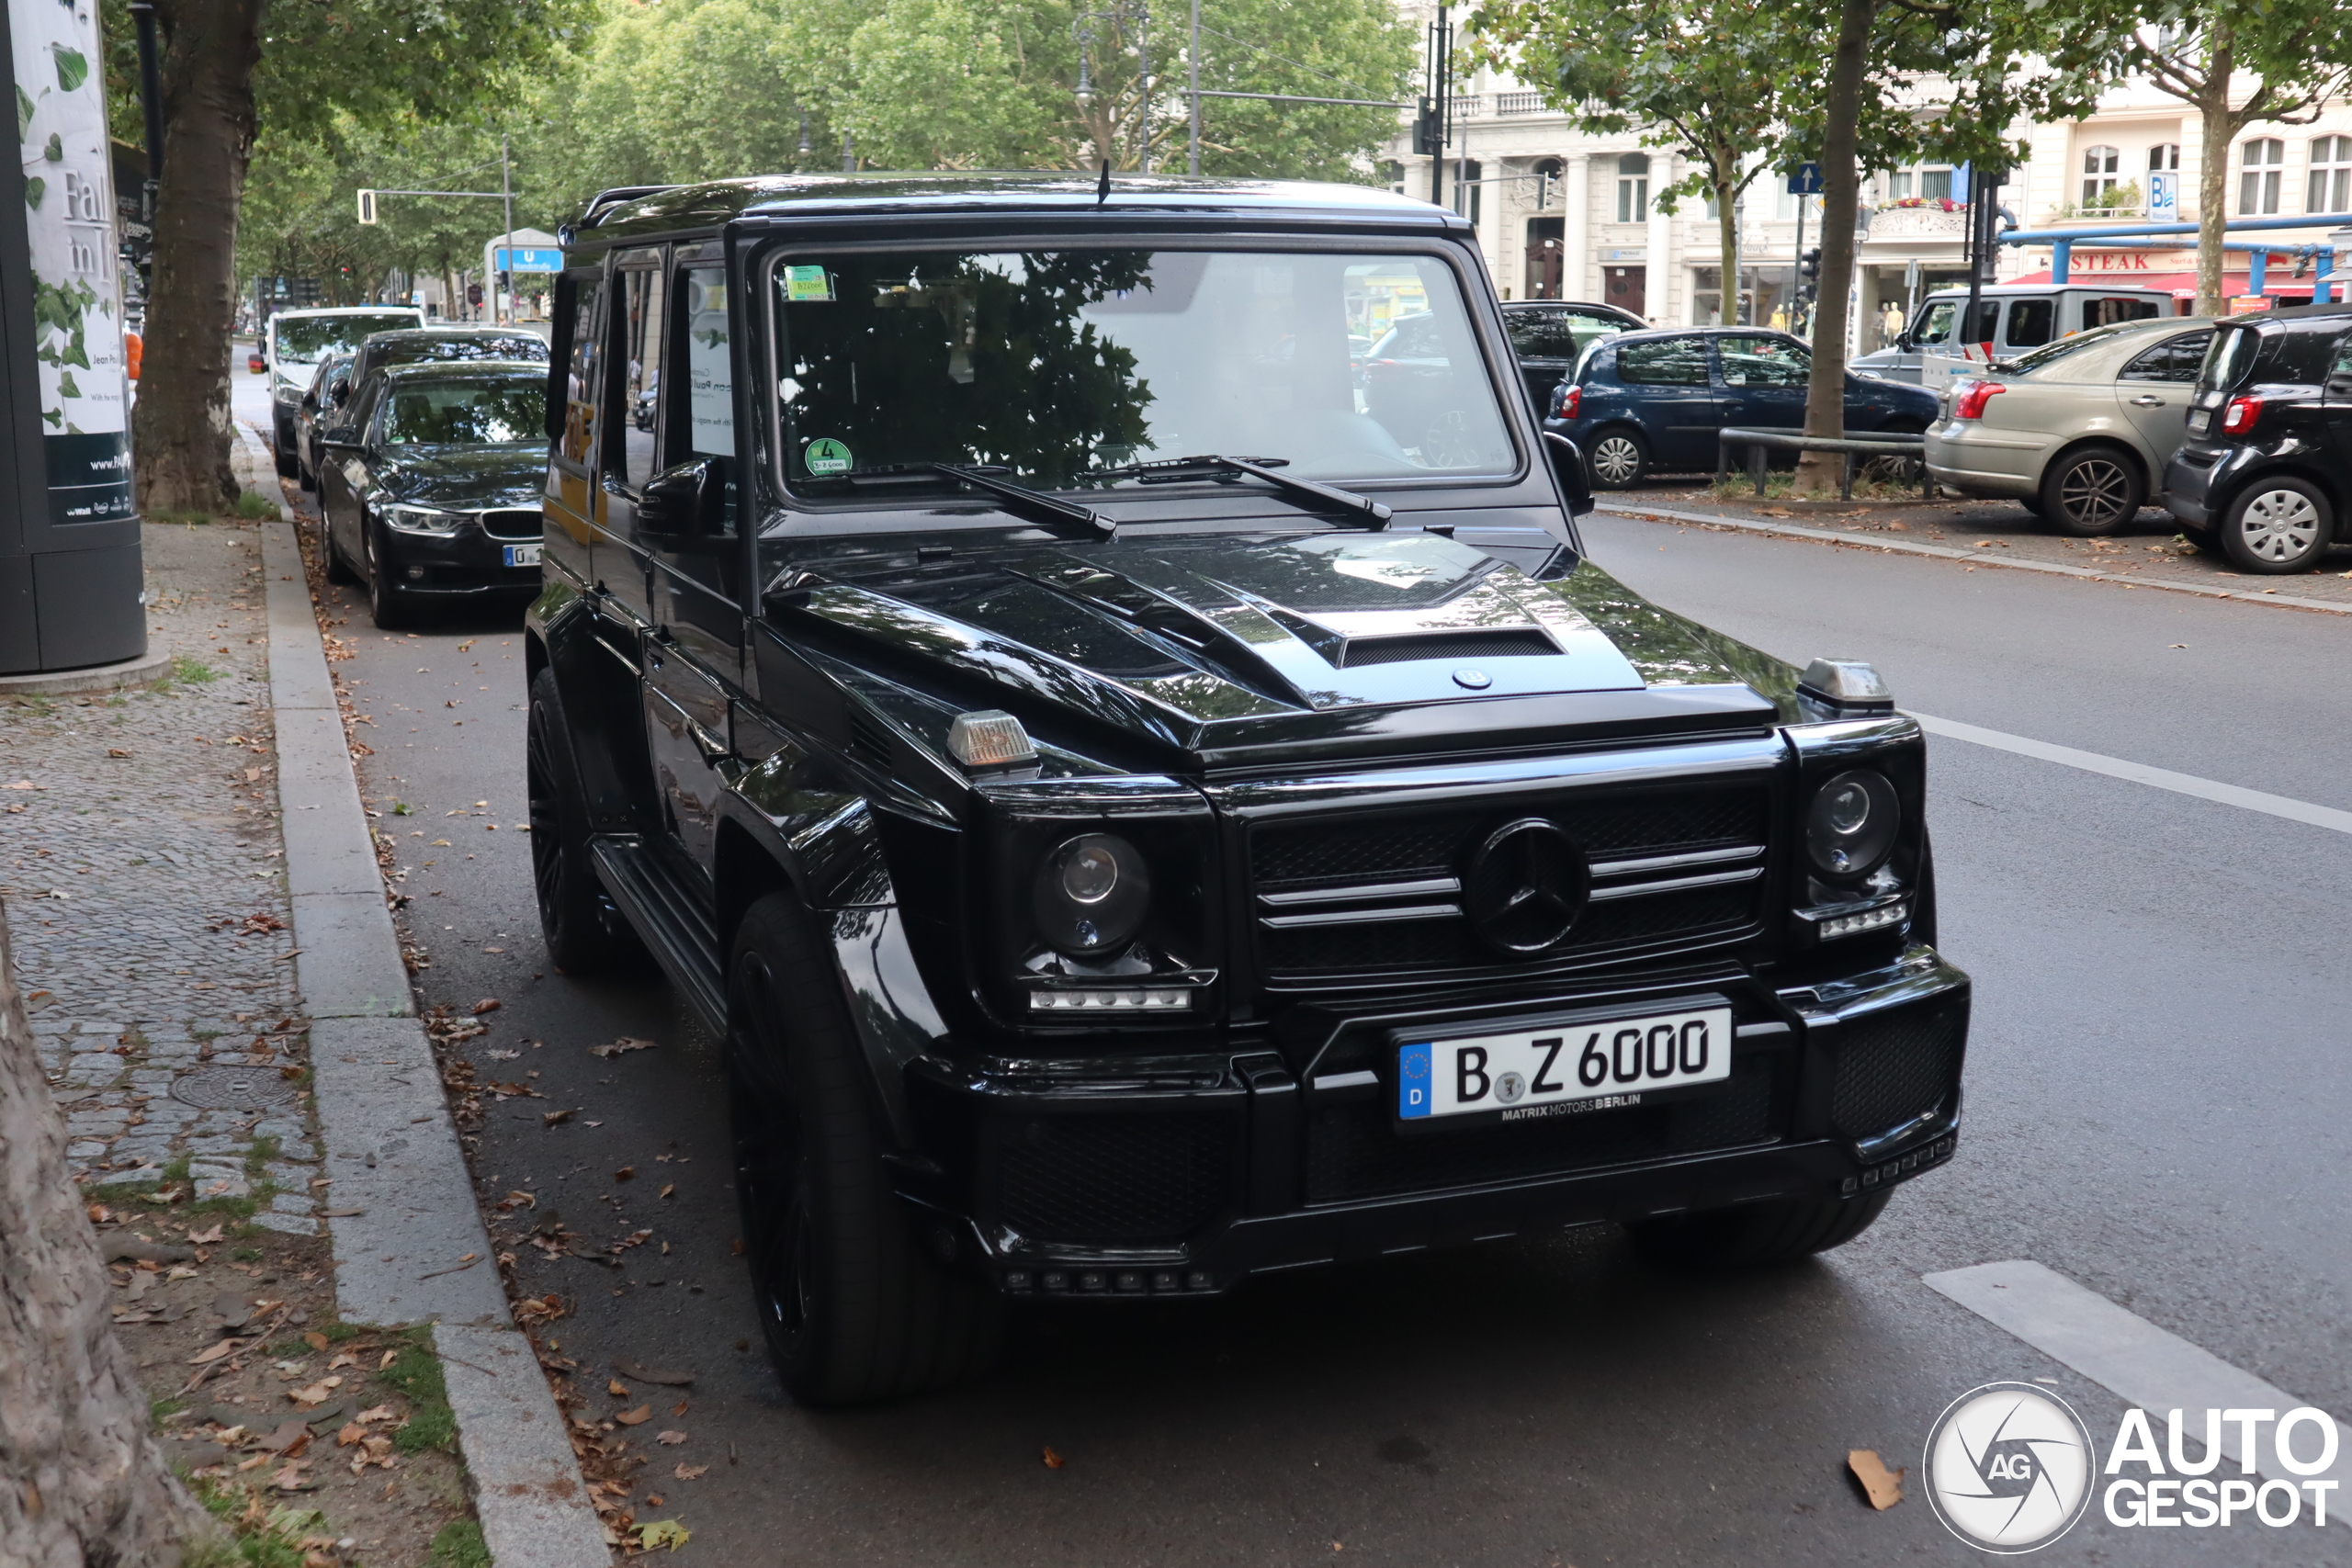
x: 467, y: 477
x: 1256, y: 647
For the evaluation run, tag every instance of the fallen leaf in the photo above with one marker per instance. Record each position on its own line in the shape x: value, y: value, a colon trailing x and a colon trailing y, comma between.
x: 381, y: 1413
x: 315, y: 1340
x: 1884, y: 1485
x: 116, y: 751
x: 206, y: 1238
x: 636, y: 1372
x: 626, y: 1042
x: 669, y: 1440
x: 352, y: 1432
x: 202, y: 1357
x: 668, y: 1188
x: 314, y: 1394
x: 1053, y: 1460
x: 389, y: 1357
x: 550, y: 1118
x: 625, y: 1173
x: 635, y: 1418
x: 344, y: 1358
x: 502, y: 1055
x: 689, y: 1471
x: 488, y: 1004
x: 661, y: 1532
x: 681, y: 1408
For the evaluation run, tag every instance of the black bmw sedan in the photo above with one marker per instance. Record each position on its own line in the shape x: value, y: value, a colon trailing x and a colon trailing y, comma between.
x: 433, y: 494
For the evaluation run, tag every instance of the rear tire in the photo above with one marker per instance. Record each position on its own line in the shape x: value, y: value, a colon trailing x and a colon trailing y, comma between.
x: 853, y: 1305
x: 2092, y: 492
x: 2277, y: 526
x: 1755, y: 1234
x: 1618, y: 460
x: 585, y: 932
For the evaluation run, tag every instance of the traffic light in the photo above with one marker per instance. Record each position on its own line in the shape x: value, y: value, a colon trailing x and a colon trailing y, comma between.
x: 1810, y: 264
x: 367, y: 207
x: 1429, y: 137
x: 505, y: 281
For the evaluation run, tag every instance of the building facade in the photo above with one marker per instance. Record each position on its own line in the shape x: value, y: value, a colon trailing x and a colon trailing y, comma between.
x: 1565, y: 214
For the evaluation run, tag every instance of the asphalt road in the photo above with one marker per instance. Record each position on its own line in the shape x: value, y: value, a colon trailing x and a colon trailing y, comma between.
x: 2156, y: 1089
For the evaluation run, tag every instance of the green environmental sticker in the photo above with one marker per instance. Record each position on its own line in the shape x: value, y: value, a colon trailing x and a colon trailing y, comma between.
x: 827, y: 456
x: 803, y: 285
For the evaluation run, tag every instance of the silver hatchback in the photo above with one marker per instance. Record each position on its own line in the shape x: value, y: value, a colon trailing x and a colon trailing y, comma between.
x: 2078, y: 430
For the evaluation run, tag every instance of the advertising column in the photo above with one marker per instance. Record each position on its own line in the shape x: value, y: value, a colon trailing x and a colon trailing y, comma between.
x: 70, y: 577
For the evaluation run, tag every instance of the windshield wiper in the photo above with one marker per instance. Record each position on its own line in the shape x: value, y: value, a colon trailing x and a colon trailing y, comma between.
x: 1366, y: 511
x: 1036, y: 506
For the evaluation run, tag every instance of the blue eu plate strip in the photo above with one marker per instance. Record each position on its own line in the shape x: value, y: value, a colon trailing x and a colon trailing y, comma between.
x: 1413, y: 1080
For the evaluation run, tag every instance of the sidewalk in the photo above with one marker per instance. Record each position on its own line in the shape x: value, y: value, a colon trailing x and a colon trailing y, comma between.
x: 2147, y: 553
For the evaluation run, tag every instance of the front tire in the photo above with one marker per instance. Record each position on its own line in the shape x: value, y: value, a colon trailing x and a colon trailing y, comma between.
x: 2277, y: 526
x: 585, y: 933
x: 289, y: 466
x: 2092, y: 492
x: 852, y: 1306
x: 1618, y: 460
x: 390, y: 609
x: 338, y: 569
x: 1757, y: 1235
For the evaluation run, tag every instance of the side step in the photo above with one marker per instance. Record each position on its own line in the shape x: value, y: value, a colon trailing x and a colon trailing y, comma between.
x: 677, y: 927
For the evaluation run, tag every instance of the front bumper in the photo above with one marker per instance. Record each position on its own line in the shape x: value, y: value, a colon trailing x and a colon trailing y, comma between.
x: 468, y: 563
x: 1186, y: 1175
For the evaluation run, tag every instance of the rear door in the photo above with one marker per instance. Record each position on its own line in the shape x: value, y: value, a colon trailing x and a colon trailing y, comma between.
x: 1674, y: 398
x: 2152, y: 391
x: 1764, y: 381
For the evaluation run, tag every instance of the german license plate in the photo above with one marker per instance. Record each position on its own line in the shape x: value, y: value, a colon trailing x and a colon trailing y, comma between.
x: 522, y: 555
x: 1529, y: 1074
x: 2199, y: 421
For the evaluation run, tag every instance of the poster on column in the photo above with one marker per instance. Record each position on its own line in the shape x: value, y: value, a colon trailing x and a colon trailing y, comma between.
x: 69, y: 216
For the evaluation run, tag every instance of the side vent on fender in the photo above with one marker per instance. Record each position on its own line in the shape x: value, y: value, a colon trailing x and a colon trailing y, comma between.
x: 869, y: 739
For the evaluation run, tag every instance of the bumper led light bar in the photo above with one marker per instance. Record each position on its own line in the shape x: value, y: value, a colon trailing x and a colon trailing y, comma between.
x: 1885, y: 915
x: 1122, y: 998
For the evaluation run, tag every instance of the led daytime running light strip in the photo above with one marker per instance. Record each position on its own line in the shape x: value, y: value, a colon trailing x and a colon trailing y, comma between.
x: 1868, y: 920
x: 1125, y: 1000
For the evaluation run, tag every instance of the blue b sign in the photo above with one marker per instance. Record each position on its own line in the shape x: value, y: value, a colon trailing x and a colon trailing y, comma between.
x: 2163, y: 195
x: 1806, y: 180
x: 528, y: 259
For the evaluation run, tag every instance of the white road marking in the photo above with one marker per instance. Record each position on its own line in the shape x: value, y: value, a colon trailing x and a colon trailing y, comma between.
x: 2124, y: 1353
x: 2139, y: 772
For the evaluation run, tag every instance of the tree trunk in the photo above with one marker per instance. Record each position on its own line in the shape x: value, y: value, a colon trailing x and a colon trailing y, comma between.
x: 2214, y: 175
x: 1727, y: 235
x: 1824, y: 398
x: 180, y: 426
x: 81, y: 1482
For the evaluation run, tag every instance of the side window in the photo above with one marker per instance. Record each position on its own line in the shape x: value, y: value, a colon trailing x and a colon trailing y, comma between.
x: 2106, y: 313
x: 1934, y: 323
x: 1762, y: 361
x: 1530, y: 332
x: 584, y: 377
x: 641, y: 341
x: 1985, y: 326
x: 1586, y: 328
x: 2175, y: 359
x: 1664, y: 362
x: 706, y: 428
x: 2030, y: 322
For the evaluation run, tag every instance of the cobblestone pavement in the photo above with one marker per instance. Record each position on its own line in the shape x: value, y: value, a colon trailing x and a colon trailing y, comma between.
x: 2150, y: 548
x: 140, y: 859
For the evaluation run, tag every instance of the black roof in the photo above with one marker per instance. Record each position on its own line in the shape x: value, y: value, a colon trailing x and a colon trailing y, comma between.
x: 668, y: 210
x: 2294, y: 313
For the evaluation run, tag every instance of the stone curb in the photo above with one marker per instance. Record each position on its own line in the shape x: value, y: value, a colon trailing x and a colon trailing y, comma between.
x: 148, y: 666
x: 1973, y: 558
x: 408, y: 1236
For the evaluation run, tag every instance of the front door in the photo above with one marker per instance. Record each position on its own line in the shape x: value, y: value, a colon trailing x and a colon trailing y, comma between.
x: 619, y: 561
x: 1764, y: 381
x: 1543, y: 257
x: 1627, y: 288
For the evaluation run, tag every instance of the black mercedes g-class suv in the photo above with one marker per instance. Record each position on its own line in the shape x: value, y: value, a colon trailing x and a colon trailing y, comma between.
x: 1145, y: 806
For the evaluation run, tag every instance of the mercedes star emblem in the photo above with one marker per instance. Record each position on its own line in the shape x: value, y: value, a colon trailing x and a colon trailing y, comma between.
x: 1524, y: 886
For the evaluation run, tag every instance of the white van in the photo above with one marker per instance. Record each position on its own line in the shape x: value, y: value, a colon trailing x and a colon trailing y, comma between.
x: 2013, y: 317
x: 292, y: 347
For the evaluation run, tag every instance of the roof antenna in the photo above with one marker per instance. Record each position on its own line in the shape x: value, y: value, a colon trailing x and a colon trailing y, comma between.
x: 1103, y: 186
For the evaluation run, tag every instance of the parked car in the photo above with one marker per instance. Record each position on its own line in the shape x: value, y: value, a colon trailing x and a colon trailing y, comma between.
x: 1117, y: 866
x: 317, y: 410
x: 431, y: 489
x: 1652, y: 402
x: 2012, y: 316
x: 417, y: 346
x: 1412, y: 387
x: 2079, y: 431
x: 1551, y: 335
x: 2266, y: 474
x: 294, y: 342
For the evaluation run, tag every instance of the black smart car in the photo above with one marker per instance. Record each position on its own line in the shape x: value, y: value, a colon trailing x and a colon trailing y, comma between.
x: 430, y: 491
x: 1141, y: 813
x: 2265, y: 475
x: 330, y: 398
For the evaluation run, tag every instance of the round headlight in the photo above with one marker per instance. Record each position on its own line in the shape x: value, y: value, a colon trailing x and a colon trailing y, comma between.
x: 1851, y: 824
x: 1092, y: 895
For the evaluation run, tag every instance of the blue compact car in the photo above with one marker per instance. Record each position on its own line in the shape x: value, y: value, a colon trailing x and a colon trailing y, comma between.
x: 1651, y: 403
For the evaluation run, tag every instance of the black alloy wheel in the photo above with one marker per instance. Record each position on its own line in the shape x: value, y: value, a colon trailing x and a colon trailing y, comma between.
x: 1618, y: 460
x: 856, y: 1299
x: 390, y: 608
x: 585, y: 932
x: 1780, y: 1230
x: 2093, y: 491
x: 2277, y: 527
x: 1908, y: 471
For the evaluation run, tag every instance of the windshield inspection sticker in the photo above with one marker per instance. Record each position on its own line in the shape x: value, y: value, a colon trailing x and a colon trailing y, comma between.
x: 827, y: 456
x: 806, y: 285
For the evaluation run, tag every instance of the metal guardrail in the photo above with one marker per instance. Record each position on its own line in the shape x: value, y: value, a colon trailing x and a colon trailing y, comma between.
x: 1759, y: 442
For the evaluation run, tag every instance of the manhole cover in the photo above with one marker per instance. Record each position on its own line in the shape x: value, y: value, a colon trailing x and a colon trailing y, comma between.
x: 232, y: 1088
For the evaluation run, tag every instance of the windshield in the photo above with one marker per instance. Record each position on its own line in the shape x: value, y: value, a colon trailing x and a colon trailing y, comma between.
x: 2055, y: 352
x: 465, y: 413
x: 1934, y: 323
x: 304, y: 339
x: 1049, y: 364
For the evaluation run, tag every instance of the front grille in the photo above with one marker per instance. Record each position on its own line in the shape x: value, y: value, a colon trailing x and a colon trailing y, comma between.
x: 1897, y: 1064
x: 1112, y: 1180
x: 1323, y: 909
x: 1364, y: 650
x: 513, y: 523
x: 1355, y: 1150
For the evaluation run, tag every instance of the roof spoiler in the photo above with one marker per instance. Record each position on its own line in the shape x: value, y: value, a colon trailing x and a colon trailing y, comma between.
x: 604, y: 201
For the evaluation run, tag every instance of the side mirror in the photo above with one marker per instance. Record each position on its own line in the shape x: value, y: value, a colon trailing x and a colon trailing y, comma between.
x: 686, y: 503
x: 1568, y: 467
x: 338, y: 387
